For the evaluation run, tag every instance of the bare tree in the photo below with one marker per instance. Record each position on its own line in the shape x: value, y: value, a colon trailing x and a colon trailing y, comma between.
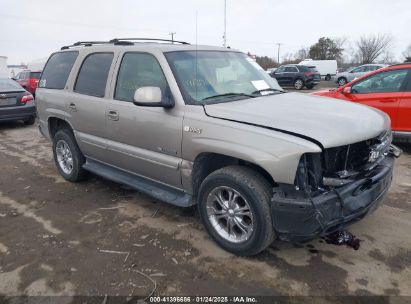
x: 370, y: 47
x: 302, y: 53
x: 407, y: 54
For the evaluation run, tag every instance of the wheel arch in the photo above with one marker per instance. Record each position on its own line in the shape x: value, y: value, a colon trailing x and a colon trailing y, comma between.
x: 207, y: 162
x: 57, y: 123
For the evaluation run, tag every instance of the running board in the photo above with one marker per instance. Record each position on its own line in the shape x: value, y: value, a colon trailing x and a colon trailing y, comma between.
x: 151, y: 188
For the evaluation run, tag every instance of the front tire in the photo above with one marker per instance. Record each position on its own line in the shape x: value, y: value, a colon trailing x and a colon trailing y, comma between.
x: 309, y: 86
x: 328, y: 77
x: 298, y: 84
x: 233, y: 203
x: 67, y: 156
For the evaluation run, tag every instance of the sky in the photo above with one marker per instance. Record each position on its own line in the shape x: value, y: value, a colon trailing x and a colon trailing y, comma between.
x: 30, y: 30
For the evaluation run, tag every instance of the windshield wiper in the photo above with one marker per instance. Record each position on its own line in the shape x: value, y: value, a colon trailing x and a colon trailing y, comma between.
x: 267, y: 90
x: 228, y: 95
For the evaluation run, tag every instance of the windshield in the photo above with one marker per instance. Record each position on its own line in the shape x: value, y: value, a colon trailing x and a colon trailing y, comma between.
x: 219, y: 76
x: 9, y: 85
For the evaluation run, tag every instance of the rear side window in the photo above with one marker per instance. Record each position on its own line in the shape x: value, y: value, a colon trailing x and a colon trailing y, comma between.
x: 57, y: 70
x: 92, y: 78
x: 35, y: 75
x: 291, y: 69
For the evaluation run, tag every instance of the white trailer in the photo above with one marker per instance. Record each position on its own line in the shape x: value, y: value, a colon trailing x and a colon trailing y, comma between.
x: 4, y: 72
x: 327, y: 68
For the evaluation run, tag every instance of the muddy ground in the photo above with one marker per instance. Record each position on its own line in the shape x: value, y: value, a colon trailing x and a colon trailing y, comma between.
x: 98, y: 238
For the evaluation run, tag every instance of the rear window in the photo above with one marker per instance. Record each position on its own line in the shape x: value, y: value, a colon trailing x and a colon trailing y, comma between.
x: 93, y: 74
x: 35, y: 75
x: 57, y: 70
x: 9, y: 85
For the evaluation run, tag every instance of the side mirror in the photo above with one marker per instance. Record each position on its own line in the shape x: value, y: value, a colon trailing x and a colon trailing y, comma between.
x: 346, y: 91
x: 151, y: 97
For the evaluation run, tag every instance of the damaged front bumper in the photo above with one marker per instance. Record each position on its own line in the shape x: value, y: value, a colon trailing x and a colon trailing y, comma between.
x: 308, y: 217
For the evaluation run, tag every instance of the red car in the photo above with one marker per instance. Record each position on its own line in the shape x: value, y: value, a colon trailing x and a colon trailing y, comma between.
x: 28, y: 80
x: 387, y: 89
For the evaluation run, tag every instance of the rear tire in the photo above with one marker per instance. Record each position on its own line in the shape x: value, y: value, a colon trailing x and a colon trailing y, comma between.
x: 67, y: 156
x: 237, y: 197
x: 29, y: 121
x: 298, y: 84
x: 341, y: 81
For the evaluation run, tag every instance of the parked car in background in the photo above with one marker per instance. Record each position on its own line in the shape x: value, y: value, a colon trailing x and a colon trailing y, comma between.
x: 15, y: 102
x: 349, y: 75
x: 326, y: 68
x: 297, y: 76
x: 28, y: 80
x: 387, y: 89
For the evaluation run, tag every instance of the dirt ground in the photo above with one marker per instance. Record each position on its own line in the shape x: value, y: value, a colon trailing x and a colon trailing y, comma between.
x: 101, y: 238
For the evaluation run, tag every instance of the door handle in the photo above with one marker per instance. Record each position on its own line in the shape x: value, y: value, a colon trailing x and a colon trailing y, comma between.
x: 388, y: 100
x: 113, y: 115
x: 72, y: 107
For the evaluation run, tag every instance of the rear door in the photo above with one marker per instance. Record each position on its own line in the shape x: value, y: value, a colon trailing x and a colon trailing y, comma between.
x: 289, y: 75
x: 404, y: 110
x: 87, y: 103
x: 383, y: 91
x: 279, y: 75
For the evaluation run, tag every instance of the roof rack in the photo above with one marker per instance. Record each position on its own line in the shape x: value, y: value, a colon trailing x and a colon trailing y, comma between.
x: 120, y: 41
x: 127, y: 41
x: 84, y: 43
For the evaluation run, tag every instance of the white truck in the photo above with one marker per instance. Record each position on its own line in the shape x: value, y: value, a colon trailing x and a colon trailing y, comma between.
x: 327, y: 68
x: 4, y: 72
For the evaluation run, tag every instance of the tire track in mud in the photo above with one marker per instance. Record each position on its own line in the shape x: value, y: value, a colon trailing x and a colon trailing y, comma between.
x: 169, y: 242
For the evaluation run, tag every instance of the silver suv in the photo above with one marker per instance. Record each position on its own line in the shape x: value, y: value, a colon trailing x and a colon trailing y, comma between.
x: 349, y: 75
x: 191, y: 124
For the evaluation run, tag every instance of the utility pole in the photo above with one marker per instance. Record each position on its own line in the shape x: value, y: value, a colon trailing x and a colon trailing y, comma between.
x: 225, y: 24
x: 172, y: 36
x: 278, y: 52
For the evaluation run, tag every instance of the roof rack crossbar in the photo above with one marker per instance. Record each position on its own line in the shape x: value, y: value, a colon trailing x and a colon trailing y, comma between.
x: 84, y: 43
x: 117, y: 40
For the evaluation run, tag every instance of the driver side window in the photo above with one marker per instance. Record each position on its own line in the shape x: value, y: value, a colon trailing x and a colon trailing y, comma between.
x: 358, y: 70
x: 138, y: 70
x: 388, y: 81
x: 280, y: 70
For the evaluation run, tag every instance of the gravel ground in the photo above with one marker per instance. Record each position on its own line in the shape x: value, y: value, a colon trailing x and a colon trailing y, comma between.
x: 98, y: 238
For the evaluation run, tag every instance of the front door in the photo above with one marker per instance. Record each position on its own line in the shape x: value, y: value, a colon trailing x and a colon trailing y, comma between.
x: 144, y: 140
x: 404, y: 111
x: 382, y: 91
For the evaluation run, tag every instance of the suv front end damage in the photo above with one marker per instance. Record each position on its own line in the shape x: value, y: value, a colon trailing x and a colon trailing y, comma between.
x: 334, y: 189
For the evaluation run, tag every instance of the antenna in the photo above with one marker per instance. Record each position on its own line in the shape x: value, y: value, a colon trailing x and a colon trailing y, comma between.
x: 172, y: 36
x: 225, y: 24
x: 196, y: 27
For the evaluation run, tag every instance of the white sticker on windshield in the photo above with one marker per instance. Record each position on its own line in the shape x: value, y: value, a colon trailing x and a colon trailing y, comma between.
x: 260, y: 85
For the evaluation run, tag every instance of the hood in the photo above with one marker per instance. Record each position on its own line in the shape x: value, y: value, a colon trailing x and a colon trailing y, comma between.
x: 330, y: 121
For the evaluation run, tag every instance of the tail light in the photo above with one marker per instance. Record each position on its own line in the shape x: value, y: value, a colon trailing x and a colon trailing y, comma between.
x: 308, y: 74
x: 26, y: 98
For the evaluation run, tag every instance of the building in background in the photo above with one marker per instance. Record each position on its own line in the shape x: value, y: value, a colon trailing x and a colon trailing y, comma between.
x: 4, y: 73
